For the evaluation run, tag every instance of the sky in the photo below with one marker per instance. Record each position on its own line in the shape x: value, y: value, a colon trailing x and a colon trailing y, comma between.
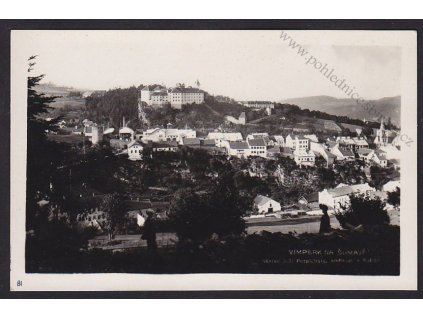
x: 245, y: 65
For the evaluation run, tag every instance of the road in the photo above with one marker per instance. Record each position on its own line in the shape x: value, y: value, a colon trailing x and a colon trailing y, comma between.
x: 309, y: 224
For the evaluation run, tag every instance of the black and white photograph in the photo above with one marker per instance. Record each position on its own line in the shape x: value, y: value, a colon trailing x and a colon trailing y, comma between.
x: 282, y: 156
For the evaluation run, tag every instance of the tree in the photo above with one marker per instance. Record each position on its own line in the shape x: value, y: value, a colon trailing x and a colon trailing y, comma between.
x: 115, y: 207
x: 394, y: 197
x: 41, y: 153
x: 220, y: 211
x: 363, y: 211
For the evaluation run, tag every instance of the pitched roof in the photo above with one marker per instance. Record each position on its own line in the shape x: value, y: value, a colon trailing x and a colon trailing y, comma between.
x: 261, y: 199
x: 191, y: 141
x: 159, y: 94
x: 337, y: 192
x: 329, y: 154
x: 332, y: 144
x: 134, y: 143
x: 312, y: 197
x: 346, y: 152
x: 126, y: 130
x: 257, y: 142
x: 287, y: 150
x: 238, y: 145
x: 208, y: 142
x: 109, y: 131
x: 186, y: 90
x: 274, y: 150
x: 167, y: 144
x: 258, y: 102
x: 222, y: 135
x: 364, y: 151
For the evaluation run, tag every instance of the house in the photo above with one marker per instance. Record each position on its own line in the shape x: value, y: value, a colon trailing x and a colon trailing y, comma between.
x: 352, y: 144
x: 257, y: 147
x: 310, y: 203
x: 134, y: 150
x: 165, y: 146
x: 191, y: 142
x: 280, y: 141
x: 379, y: 157
x: 159, y: 99
x: 340, y: 196
x: 391, y: 186
x: 126, y: 134
x: 370, y: 156
x: 168, y: 134
x: 309, y: 198
x: 264, y: 136
x: 365, y: 154
x: 297, y: 142
x: 360, y: 143
x: 304, y: 157
x: 263, y: 204
x: 321, y: 150
x: 259, y: 104
x: 182, y: 95
x: 221, y: 139
x: 239, y: 149
x: 329, y: 157
x: 147, y: 92
x: 342, y: 153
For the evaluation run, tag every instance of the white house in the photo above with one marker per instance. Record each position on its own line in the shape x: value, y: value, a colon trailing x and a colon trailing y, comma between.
x: 161, y: 135
x: 297, y: 142
x: 259, y: 104
x: 221, y: 139
x: 134, y: 150
x: 379, y: 157
x: 304, y: 157
x: 257, y: 147
x: 165, y: 146
x: 340, y: 196
x: 342, y: 153
x: 239, y: 149
x: 159, y: 99
x: 265, y: 204
x: 146, y: 95
x: 182, y: 95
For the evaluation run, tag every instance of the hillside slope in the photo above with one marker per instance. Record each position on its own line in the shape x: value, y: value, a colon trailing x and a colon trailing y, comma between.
x: 386, y: 107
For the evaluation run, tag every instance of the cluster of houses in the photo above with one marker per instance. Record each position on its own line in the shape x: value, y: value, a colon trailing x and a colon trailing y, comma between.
x: 303, y: 149
x: 335, y: 199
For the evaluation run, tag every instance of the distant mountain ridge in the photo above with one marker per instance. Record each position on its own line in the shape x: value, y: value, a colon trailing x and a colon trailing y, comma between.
x: 386, y: 107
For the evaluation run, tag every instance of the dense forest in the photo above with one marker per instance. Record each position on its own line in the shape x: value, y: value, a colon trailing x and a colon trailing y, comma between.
x: 113, y: 105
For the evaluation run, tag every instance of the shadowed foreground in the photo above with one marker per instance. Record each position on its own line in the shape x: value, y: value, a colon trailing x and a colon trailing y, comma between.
x: 372, y: 251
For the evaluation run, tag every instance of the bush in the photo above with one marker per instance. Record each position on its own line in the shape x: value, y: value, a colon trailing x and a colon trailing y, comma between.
x: 363, y: 211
